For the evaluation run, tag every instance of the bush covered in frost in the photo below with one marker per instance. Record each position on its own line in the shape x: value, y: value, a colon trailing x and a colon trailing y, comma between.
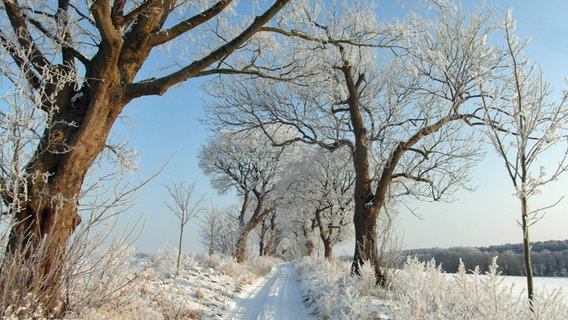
x: 424, y: 291
x: 336, y: 294
x: 421, y: 290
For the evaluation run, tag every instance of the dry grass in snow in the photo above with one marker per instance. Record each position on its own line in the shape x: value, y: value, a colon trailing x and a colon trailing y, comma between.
x: 204, y: 288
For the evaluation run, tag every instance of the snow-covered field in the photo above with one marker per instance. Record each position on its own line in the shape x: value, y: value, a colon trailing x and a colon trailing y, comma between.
x: 219, y: 288
x: 422, y: 291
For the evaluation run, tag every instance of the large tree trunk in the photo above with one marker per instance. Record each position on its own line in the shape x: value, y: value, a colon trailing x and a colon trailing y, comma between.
x: 367, y: 203
x: 241, y: 250
x: 271, y: 245
x: 325, y: 235
x: 43, y: 227
x: 365, y: 220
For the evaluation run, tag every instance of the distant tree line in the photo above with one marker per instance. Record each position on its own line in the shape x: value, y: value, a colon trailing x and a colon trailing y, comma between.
x: 549, y: 258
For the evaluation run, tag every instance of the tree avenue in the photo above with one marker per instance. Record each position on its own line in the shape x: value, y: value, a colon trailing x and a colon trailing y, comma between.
x: 79, y: 63
x: 400, y: 96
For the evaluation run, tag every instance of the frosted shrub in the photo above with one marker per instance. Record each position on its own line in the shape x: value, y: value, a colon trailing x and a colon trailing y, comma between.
x: 549, y: 306
x: 336, y: 294
x: 105, y: 282
x: 420, y: 289
x: 424, y: 291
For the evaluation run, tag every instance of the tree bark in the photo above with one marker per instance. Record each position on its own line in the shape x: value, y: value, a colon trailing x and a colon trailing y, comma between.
x: 367, y: 203
x: 327, y: 249
x: 325, y: 235
x: 527, y: 250
x: 55, y: 176
x: 261, y: 247
x: 366, y: 251
x: 271, y: 245
x: 241, y: 250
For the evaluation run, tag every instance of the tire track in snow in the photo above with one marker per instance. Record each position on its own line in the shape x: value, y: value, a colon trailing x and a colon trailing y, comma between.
x: 279, y: 297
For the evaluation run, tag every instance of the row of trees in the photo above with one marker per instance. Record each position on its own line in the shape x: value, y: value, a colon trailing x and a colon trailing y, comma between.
x: 549, y: 259
x: 288, y: 194
x: 405, y: 99
x: 399, y: 101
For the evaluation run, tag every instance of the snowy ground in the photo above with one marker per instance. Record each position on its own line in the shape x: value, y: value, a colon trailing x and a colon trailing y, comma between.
x: 219, y: 288
x: 205, y: 288
x: 542, y: 285
x: 277, y: 297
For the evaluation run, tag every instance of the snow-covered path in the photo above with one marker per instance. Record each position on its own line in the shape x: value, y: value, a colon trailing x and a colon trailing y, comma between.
x: 278, y: 297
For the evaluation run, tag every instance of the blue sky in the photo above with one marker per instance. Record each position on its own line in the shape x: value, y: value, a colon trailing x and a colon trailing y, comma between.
x: 168, y: 126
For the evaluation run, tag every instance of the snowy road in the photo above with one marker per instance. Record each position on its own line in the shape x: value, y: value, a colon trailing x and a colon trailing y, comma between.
x: 278, y: 297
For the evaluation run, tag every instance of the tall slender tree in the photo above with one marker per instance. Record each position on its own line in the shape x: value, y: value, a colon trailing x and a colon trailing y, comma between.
x: 524, y: 125
x: 184, y: 206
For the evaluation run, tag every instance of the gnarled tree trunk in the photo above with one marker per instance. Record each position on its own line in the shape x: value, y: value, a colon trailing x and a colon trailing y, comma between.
x: 83, y: 112
x: 48, y: 215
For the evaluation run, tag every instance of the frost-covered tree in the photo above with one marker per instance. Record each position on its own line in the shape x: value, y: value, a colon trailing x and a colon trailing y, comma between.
x: 247, y: 163
x: 397, y: 95
x: 81, y: 63
x: 525, y: 124
x: 320, y: 189
x: 219, y: 230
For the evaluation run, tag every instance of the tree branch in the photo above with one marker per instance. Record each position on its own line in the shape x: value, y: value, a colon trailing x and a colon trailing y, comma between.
x: 22, y: 63
x: 103, y: 21
x: 25, y: 40
x: 412, y: 177
x: 188, y: 24
x: 161, y: 85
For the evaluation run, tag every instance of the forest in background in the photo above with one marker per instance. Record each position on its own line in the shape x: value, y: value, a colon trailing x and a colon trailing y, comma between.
x: 549, y: 258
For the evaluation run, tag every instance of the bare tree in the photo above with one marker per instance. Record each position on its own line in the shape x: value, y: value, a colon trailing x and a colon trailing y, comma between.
x: 210, y: 223
x: 80, y: 63
x: 184, y: 206
x: 398, y: 96
x: 524, y: 125
x: 247, y: 163
x: 219, y: 230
